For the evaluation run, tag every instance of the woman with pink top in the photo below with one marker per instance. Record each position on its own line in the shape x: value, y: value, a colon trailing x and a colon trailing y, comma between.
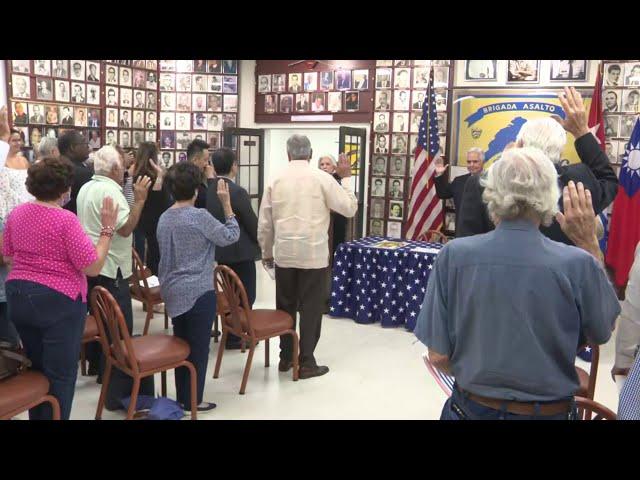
x: 51, y: 255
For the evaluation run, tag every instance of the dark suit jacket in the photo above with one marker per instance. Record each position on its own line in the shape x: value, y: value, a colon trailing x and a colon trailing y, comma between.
x: 82, y: 173
x: 454, y: 190
x: 246, y: 248
x: 594, y: 172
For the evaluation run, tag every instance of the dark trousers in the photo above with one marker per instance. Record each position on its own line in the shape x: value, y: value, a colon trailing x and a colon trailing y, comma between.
x: 460, y: 407
x: 8, y: 332
x: 247, y: 273
x: 302, y: 290
x: 50, y: 325
x: 194, y: 326
x: 138, y: 242
x: 153, y: 253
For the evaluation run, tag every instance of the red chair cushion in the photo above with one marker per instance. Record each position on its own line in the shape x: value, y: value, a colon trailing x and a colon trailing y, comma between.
x: 22, y: 390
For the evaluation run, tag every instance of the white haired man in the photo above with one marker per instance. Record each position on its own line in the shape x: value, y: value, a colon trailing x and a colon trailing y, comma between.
x: 455, y: 188
x: 548, y: 134
x: 293, y: 229
x: 511, y: 342
x: 107, y: 182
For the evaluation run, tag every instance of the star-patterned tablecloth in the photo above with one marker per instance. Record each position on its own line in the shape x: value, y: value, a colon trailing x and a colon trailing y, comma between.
x: 372, y: 284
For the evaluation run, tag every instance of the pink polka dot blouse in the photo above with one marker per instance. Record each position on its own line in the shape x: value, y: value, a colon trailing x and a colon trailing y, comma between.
x: 49, y: 247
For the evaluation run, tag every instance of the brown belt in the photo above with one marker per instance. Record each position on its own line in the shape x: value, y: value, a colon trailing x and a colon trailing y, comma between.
x: 521, y: 408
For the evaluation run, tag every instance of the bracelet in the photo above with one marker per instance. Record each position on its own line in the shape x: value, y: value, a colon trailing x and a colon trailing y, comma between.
x: 106, y: 232
x: 229, y: 217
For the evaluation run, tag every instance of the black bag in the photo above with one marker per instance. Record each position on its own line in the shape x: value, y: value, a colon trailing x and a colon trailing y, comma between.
x: 11, y: 362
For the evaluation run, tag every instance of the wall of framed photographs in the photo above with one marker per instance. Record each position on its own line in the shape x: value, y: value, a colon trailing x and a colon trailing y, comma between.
x: 334, y: 91
x: 400, y: 90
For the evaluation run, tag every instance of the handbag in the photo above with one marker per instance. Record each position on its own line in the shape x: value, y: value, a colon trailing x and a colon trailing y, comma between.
x: 11, y: 362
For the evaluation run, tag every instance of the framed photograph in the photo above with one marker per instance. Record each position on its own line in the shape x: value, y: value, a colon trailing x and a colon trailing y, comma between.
x: 95, y: 141
x: 400, y: 122
x: 213, y: 139
x: 214, y: 102
x: 78, y: 92
x: 183, y: 139
x: 152, y: 81
x: 138, y: 119
x: 396, y: 210
x: 326, y: 80
x: 126, y: 97
x: 310, y: 81
x: 381, y: 122
x: 318, y: 102
x: 420, y: 77
x: 378, y: 187
x: 36, y: 113
x: 167, y: 121
x: 184, y: 66
x: 568, y: 70
x: 42, y: 67
x: 125, y: 77
x: 199, y: 102
x: 152, y: 64
x: 611, y: 125
x: 417, y: 99
x: 394, y: 229
x: 611, y: 150
x: 295, y: 84
x: 20, y: 87
x: 112, y: 75
x: 215, y: 122
x: 112, y: 139
x: 61, y: 90
x: 397, y: 166
x: 278, y: 82
x: 51, y: 132
x: 286, y: 103
x: 35, y: 135
x: 302, y: 102
x: 93, y: 94
x: 632, y: 74
x: 44, y: 89
x: 611, y: 101
x: 166, y: 160
x: 52, y: 115
x: 24, y: 135
x: 138, y: 138
x: 401, y: 99
x: 183, y: 82
x: 182, y: 156
x: 384, y: 63
x: 111, y: 118
x: 413, y: 141
x: 112, y: 96
x: 379, y: 166
x: 167, y: 82
x: 229, y: 84
x: 376, y: 206
x: 215, y: 83
x: 152, y: 101
x: 168, y: 101
x: 402, y: 78
x: 184, y: 102
x: 230, y: 67
x: 199, y: 121
x: 440, y: 63
x: 441, y: 77
x: 264, y: 83
x: 183, y: 121
x: 351, y: 101
x: 382, y: 100
x: 613, y: 74
x: 77, y: 70
x: 383, y: 77
x: 21, y: 66
x: 414, y: 124
x: 627, y: 122
x: 399, y: 143
x: 442, y: 123
x: 523, y: 71
x: 214, y: 66
x: 231, y: 103
x: 402, y: 63
x: 396, y: 188
x: 335, y: 101
x: 61, y: 68
x: 228, y: 120
x: 139, y: 98
x: 441, y: 100
x: 343, y: 80
x: 20, y: 114
x: 361, y: 79
x: 270, y: 103
x: 167, y: 65
x: 376, y: 228
x: 631, y: 100
x: 480, y: 70
x: 125, y: 119
x: 200, y: 66
x: 381, y: 143
x: 93, y: 72
x: 199, y: 83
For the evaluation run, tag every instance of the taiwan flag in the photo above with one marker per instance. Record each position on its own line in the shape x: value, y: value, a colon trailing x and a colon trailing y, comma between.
x: 624, y: 231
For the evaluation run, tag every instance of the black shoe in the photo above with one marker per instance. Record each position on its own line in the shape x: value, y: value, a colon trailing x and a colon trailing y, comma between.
x: 310, y: 372
x: 285, y: 365
x: 233, y: 346
x: 92, y: 371
x: 203, y: 407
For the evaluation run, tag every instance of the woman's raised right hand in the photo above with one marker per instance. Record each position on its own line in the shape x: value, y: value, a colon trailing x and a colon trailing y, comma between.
x: 109, y: 213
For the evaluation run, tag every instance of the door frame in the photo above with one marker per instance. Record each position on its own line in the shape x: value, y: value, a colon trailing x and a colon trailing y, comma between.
x: 360, y: 132
x: 229, y: 132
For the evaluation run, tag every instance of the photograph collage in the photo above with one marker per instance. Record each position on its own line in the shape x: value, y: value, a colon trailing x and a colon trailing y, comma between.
x: 400, y: 92
x: 313, y: 92
x: 198, y: 99
x: 526, y: 71
x: 50, y: 96
x: 621, y: 106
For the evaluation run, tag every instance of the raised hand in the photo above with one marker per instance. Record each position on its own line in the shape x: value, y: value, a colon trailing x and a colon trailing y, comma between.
x: 344, y: 166
x: 141, y: 189
x: 578, y: 221
x: 109, y: 213
x: 440, y: 167
x: 576, y: 121
x: 5, y: 132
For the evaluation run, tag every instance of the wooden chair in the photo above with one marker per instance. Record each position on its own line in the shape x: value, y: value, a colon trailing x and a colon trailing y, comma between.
x: 138, y: 357
x: 141, y: 291
x: 26, y: 390
x: 90, y: 334
x: 591, y: 410
x: 444, y: 381
x: 250, y: 325
x: 588, y: 380
x: 434, y: 236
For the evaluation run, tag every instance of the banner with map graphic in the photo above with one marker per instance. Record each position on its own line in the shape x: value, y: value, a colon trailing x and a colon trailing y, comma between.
x: 491, y: 118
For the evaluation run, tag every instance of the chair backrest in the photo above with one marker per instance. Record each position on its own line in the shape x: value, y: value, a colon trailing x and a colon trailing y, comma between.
x: 114, y: 335
x: 433, y: 236
x: 230, y: 288
x: 591, y: 410
x: 593, y: 371
x: 138, y: 274
x: 444, y: 381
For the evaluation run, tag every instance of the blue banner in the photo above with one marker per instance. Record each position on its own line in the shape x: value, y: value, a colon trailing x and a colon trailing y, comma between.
x: 549, y: 108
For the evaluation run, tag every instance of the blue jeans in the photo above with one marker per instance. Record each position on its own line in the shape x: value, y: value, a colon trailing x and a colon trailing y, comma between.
x: 194, y: 326
x: 459, y: 407
x: 50, y: 325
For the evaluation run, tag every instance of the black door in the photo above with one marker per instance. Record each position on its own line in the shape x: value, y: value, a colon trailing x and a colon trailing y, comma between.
x: 353, y: 143
x: 248, y: 144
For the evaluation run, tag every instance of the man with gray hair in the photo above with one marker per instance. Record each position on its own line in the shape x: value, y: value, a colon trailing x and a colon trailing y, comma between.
x: 293, y: 228
x: 510, y: 342
x: 548, y: 135
x: 455, y: 189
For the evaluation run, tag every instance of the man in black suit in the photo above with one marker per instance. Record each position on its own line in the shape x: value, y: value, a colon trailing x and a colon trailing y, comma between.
x: 455, y: 188
x: 241, y: 256
x: 75, y: 147
x: 594, y: 172
x: 67, y: 118
x: 198, y: 154
x: 36, y: 116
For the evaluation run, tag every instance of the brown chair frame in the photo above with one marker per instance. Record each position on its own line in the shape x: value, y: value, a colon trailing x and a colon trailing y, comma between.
x: 55, y: 406
x: 83, y: 352
x: 229, y: 288
x: 433, y: 236
x: 593, y: 370
x: 121, y: 354
x: 591, y: 410
x: 142, y: 293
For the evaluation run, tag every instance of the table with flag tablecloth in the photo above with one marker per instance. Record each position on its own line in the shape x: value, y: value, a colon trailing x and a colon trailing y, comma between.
x: 371, y: 284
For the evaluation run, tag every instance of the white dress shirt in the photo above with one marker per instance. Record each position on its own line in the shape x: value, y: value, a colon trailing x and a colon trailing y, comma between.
x: 294, y: 215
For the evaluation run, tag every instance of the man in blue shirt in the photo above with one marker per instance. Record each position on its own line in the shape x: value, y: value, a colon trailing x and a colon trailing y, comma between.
x: 511, y: 341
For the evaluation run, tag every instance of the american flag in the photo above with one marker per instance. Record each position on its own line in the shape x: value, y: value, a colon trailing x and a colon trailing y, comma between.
x: 425, y: 208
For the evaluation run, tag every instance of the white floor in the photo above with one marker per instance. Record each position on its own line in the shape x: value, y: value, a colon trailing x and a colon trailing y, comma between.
x: 375, y: 373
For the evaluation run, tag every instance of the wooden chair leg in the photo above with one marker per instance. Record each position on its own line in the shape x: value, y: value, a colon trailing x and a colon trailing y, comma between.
x: 103, y: 391
x: 243, y: 346
x: 247, y: 367
x: 223, y: 341
x: 296, y: 360
x: 134, y: 398
x: 163, y: 383
x: 148, y: 319
x: 216, y: 332
x: 83, y: 360
x: 266, y: 352
x: 194, y: 389
x: 166, y: 319
x: 55, y: 406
